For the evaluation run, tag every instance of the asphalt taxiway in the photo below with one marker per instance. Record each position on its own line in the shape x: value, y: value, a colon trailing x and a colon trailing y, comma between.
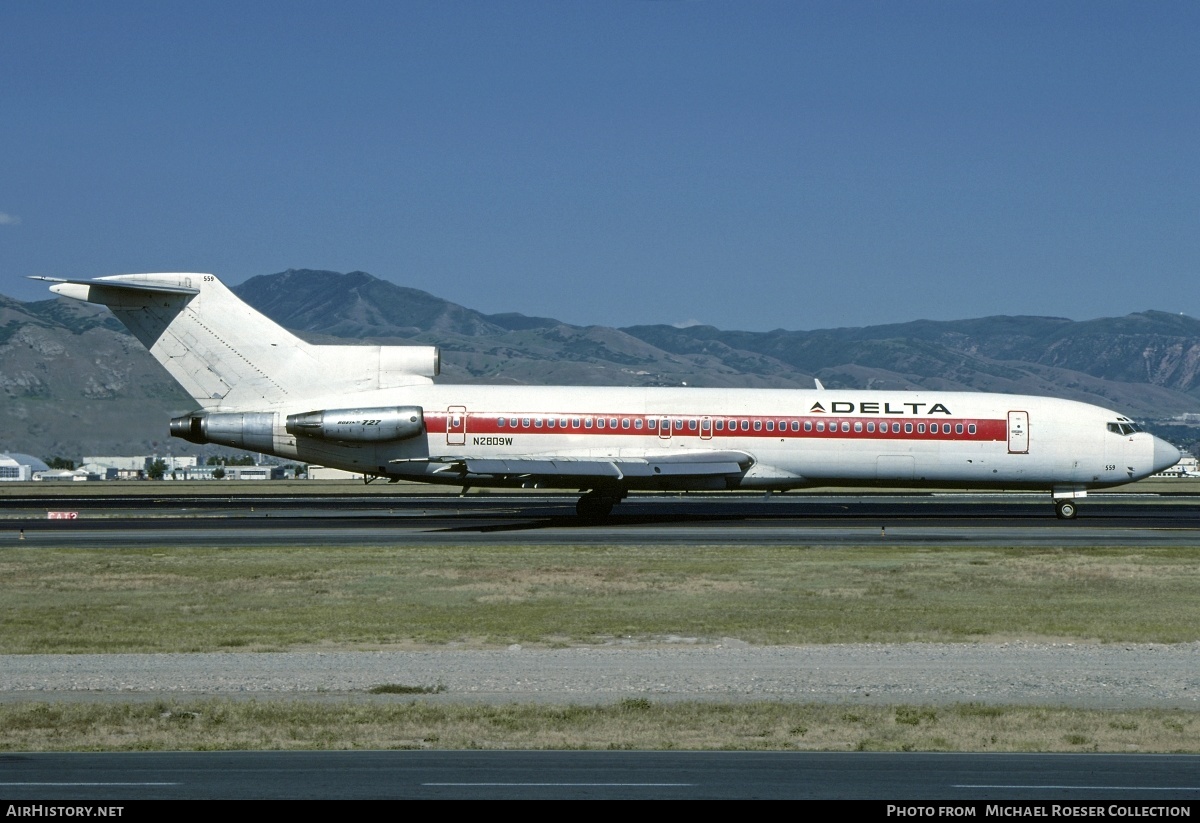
x: 1166, y: 783
x: 247, y: 520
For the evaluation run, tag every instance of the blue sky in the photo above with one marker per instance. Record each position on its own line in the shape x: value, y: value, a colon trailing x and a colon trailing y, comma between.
x: 751, y: 165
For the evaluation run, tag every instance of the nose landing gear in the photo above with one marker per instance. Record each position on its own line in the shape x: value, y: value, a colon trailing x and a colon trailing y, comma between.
x: 1066, y: 509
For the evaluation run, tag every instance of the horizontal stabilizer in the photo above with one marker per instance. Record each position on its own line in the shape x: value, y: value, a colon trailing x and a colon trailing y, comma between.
x: 118, y: 285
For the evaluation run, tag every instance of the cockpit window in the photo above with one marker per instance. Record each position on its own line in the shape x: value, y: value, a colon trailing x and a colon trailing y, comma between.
x: 1123, y: 428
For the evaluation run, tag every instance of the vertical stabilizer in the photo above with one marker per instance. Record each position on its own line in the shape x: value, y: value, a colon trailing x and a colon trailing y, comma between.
x: 225, y: 354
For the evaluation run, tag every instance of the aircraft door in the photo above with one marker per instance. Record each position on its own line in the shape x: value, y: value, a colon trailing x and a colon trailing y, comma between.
x: 456, y: 426
x: 664, y: 428
x: 1018, y: 432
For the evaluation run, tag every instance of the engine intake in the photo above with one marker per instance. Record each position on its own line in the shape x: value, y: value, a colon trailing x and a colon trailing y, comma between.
x: 378, y: 425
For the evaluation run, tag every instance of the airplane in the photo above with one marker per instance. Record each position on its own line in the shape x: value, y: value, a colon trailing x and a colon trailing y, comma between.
x: 376, y: 410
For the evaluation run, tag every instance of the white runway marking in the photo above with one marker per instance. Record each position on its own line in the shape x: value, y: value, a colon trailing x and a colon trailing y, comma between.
x: 87, y: 784
x: 1086, y: 788
x: 652, y: 785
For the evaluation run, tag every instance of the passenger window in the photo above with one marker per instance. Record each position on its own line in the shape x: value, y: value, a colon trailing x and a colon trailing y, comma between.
x: 745, y: 425
x: 550, y: 423
x: 907, y: 428
x: 525, y: 423
x: 920, y: 428
x: 858, y: 427
x: 500, y: 422
x: 599, y: 422
x: 970, y: 428
x: 820, y: 427
x: 705, y: 424
x: 720, y: 425
x: 870, y: 428
x: 691, y: 425
x: 637, y: 422
x: 652, y: 424
x: 587, y: 422
x: 678, y: 425
x: 770, y: 425
x: 574, y: 422
x: 624, y: 422
x: 758, y: 425
x: 958, y: 428
x: 795, y: 425
x: 537, y: 422
x: 845, y: 426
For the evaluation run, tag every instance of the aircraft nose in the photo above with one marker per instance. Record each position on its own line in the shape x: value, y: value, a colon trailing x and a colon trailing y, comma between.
x: 1165, y: 455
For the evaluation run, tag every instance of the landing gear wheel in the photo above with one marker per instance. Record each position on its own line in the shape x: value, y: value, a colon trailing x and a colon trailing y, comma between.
x: 594, y: 507
x: 1066, y: 509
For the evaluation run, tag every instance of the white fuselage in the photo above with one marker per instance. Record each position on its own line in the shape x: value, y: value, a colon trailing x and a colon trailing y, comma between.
x: 795, y: 437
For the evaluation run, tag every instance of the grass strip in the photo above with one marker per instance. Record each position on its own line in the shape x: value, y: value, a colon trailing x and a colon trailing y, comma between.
x: 638, y: 724
x: 262, y: 599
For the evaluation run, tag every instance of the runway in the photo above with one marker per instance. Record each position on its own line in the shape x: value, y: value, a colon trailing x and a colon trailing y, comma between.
x: 1098, y: 780
x: 517, y: 519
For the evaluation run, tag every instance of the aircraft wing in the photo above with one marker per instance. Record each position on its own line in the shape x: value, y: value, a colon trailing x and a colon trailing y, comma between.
x: 682, y: 464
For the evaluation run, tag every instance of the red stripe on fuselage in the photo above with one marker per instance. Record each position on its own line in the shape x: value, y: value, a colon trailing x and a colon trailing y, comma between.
x: 834, y: 427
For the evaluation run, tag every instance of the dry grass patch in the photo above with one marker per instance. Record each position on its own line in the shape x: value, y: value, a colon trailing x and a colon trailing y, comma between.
x: 193, y: 599
x: 635, y: 723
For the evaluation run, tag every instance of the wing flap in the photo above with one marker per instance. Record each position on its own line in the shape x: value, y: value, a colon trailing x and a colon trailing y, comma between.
x: 558, y: 468
x: 684, y: 464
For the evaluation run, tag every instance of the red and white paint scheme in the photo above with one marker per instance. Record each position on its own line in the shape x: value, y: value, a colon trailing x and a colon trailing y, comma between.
x: 376, y: 410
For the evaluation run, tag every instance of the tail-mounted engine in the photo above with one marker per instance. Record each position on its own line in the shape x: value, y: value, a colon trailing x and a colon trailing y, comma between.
x: 378, y: 425
x: 254, y: 431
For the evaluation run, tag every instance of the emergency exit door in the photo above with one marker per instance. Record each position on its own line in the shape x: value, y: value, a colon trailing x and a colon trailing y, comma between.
x: 456, y: 426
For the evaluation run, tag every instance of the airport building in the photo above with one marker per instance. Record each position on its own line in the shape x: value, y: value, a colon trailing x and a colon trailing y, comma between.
x: 1186, y: 467
x: 66, y: 476
x: 18, y: 467
x: 259, y: 472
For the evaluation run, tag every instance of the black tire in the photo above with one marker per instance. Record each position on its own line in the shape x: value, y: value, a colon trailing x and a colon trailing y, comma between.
x: 594, y: 508
x: 1066, y: 509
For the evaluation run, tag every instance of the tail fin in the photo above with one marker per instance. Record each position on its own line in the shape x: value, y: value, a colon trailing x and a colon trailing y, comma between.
x: 226, y: 355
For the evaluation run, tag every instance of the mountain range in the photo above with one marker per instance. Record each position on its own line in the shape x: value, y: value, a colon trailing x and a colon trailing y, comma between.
x: 73, y: 382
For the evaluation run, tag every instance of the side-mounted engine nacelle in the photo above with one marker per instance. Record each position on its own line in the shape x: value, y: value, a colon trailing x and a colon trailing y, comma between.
x: 254, y: 431
x: 378, y: 425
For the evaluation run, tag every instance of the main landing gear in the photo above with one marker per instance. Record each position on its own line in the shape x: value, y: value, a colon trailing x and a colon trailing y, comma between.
x: 598, y: 503
x: 1066, y: 509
